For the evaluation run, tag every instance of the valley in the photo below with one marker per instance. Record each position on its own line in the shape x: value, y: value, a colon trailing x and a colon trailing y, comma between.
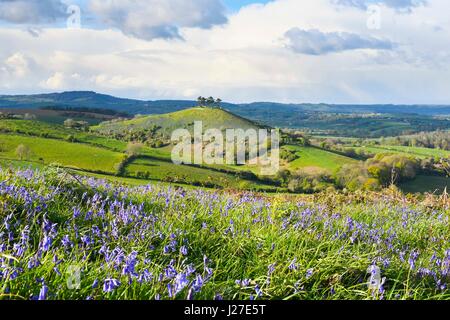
x: 309, y: 163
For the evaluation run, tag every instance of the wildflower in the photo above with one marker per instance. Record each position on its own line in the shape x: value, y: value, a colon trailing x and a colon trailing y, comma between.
x: 309, y: 273
x: 170, y: 272
x: 95, y: 284
x: 413, y: 258
x: 170, y: 290
x: 130, y: 264
x: 198, y: 283
x: 110, y: 285
x: 293, y: 266
x: 145, y: 276
x: 190, y: 270
x: 184, y: 250
x: 43, y: 293
x: 190, y: 295
x: 271, y: 269
x: 258, y: 291
x: 57, y: 271
x: 180, y: 282
x: 243, y: 283
x: 46, y: 243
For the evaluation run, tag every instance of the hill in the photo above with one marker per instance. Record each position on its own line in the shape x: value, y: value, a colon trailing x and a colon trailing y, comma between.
x: 328, y: 119
x: 163, y: 125
x: 92, y: 99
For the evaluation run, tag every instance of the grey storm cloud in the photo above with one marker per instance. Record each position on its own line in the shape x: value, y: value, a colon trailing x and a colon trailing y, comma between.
x: 151, y: 19
x: 31, y: 11
x: 315, y: 42
x: 400, y: 5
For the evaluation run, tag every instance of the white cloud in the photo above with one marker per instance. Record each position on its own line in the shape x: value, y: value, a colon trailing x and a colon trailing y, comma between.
x: 315, y: 42
x: 150, y: 19
x: 17, y: 65
x: 31, y: 11
x: 400, y: 5
x: 246, y: 59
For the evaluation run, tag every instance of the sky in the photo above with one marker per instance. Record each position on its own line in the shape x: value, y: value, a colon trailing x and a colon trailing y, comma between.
x: 292, y: 51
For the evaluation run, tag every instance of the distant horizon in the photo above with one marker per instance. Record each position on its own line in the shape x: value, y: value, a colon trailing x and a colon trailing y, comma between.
x: 227, y: 102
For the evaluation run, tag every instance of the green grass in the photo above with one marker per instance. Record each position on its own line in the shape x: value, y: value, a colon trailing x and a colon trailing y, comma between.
x: 422, y: 184
x: 163, y: 170
x: 165, y: 124
x: 47, y: 151
x: 417, y: 152
x: 315, y: 157
x: 56, y: 131
x: 287, y: 247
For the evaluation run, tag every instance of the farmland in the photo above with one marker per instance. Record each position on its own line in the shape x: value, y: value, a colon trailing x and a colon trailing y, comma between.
x: 48, y: 151
x: 314, y: 157
x: 413, y: 151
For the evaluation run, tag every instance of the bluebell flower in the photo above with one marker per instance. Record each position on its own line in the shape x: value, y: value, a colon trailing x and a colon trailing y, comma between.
x: 43, y: 293
x: 46, y: 243
x: 181, y: 282
x: 198, y: 283
x: 110, y: 285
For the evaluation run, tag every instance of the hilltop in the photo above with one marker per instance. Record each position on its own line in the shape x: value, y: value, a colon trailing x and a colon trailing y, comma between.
x: 163, y: 125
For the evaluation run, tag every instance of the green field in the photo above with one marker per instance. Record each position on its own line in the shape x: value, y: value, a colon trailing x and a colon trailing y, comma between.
x: 314, y: 157
x: 413, y: 151
x: 47, y: 151
x: 155, y: 169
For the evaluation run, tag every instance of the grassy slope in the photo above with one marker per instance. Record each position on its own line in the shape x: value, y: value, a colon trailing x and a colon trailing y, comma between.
x: 162, y: 170
x: 65, y: 153
x: 314, y: 157
x: 414, y: 151
x: 282, y: 245
x: 211, y: 118
x: 97, y: 153
x: 55, y: 131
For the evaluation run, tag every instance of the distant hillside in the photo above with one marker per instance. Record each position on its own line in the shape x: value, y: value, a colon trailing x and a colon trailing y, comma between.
x: 89, y: 99
x: 92, y: 99
x: 317, y: 119
x: 164, y: 125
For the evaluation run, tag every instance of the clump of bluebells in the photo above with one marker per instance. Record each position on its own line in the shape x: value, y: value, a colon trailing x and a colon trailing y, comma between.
x: 85, y: 238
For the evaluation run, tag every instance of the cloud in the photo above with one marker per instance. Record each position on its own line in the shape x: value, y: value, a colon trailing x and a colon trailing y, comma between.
x: 315, y: 42
x: 244, y: 60
x: 18, y: 64
x: 400, y: 5
x: 151, y: 19
x: 31, y: 11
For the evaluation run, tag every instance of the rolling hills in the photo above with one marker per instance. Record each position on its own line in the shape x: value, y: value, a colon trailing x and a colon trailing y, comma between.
x: 164, y: 125
x: 96, y: 100
x: 328, y: 119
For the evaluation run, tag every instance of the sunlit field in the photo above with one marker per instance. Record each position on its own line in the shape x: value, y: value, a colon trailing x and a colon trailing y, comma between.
x: 156, y: 242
